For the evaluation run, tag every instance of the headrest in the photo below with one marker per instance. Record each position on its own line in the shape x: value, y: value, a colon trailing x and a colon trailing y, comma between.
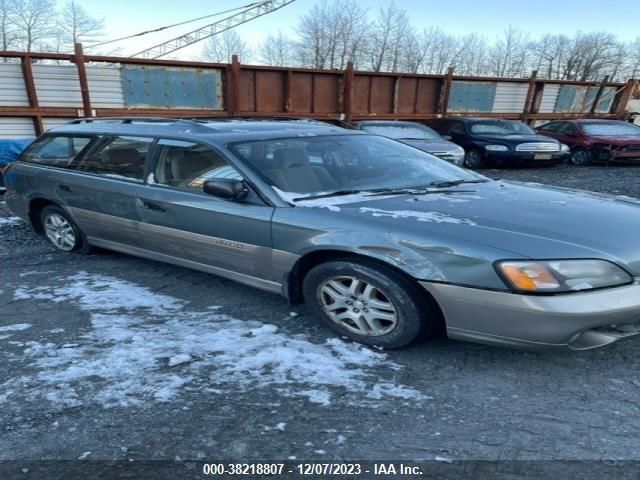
x: 290, y: 157
x: 124, y: 156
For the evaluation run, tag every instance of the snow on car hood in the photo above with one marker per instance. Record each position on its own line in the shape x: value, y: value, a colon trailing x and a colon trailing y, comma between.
x: 526, y: 219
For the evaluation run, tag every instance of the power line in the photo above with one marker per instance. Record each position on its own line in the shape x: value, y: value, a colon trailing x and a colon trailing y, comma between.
x: 249, y: 5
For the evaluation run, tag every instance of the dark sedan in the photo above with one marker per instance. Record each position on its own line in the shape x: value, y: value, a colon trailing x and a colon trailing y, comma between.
x: 500, y: 142
x: 416, y: 135
x: 590, y: 140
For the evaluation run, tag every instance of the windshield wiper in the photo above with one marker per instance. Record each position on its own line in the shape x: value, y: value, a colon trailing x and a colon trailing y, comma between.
x: 453, y: 183
x: 337, y: 193
x: 413, y: 191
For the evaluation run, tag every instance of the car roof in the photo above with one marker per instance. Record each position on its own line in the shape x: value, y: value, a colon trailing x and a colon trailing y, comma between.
x: 387, y: 122
x: 217, y: 131
x: 593, y: 120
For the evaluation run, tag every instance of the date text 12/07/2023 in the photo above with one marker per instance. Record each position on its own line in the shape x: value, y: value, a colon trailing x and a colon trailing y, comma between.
x: 304, y: 469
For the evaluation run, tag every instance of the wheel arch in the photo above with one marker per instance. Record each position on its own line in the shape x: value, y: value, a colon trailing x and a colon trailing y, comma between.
x: 36, y: 205
x: 293, y: 287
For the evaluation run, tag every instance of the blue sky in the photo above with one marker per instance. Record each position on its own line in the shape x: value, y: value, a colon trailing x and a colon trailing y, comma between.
x: 488, y: 18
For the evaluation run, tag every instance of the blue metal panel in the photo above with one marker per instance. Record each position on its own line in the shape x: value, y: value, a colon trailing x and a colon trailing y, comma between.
x: 471, y: 96
x: 171, y: 87
x: 566, y: 98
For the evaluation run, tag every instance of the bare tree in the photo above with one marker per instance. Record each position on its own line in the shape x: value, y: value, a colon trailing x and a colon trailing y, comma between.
x: 34, y: 21
x: 389, y: 33
x: 220, y: 48
x: 7, y: 34
x: 509, y: 55
x: 331, y: 34
x: 276, y: 50
x: 76, y: 25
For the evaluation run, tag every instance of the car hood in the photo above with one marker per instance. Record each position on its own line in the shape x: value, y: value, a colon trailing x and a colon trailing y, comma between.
x: 626, y: 140
x: 430, y: 145
x: 516, y: 138
x: 523, y: 220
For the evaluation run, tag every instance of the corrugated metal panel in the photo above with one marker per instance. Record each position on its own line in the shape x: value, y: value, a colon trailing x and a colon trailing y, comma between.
x: 13, y: 92
x: 606, y: 100
x: 471, y: 96
x: 172, y: 87
x: 16, y: 127
x: 510, y: 97
x: 51, y: 122
x: 549, y: 97
x: 105, y: 87
x: 578, y: 99
x: 57, y: 85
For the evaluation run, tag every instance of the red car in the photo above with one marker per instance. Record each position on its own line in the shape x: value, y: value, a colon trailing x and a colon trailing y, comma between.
x: 594, y: 140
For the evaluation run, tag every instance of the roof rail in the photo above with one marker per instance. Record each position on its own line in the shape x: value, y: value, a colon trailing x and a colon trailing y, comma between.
x: 136, y: 120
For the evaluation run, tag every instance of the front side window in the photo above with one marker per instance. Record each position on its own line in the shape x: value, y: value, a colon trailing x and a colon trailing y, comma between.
x: 119, y: 157
x: 188, y: 165
x: 56, y: 150
x: 553, y: 127
x: 311, y: 165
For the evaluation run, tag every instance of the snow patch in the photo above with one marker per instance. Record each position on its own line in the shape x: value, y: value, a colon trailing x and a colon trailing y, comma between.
x: 8, y: 221
x: 136, y: 335
x: 435, y: 217
x: 16, y: 327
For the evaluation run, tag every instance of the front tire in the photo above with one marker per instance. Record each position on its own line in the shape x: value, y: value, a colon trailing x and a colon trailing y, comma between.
x: 370, y: 304
x: 473, y: 159
x: 581, y: 157
x: 62, y: 231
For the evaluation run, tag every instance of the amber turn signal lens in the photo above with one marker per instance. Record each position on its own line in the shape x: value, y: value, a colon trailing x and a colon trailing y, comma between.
x: 529, y: 276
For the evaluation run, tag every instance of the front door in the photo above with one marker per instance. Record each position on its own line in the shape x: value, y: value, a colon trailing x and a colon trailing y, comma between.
x: 181, y: 222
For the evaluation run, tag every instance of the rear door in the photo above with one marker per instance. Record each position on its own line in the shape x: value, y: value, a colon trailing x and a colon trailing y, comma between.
x: 101, y: 194
x: 181, y: 222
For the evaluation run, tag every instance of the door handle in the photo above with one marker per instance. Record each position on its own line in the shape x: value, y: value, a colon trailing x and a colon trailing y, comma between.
x: 65, y: 188
x: 153, y: 206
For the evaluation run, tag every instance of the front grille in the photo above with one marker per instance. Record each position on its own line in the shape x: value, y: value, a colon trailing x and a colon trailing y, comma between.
x: 632, y: 148
x: 537, y: 147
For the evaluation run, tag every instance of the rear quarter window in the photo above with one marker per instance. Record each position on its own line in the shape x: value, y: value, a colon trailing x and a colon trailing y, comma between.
x: 57, y: 150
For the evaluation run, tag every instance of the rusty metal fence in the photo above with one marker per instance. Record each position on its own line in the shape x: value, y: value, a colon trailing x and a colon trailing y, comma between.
x: 41, y: 90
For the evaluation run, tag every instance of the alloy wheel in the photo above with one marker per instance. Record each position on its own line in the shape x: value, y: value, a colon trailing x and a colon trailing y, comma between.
x: 60, y: 232
x: 473, y: 159
x: 357, y: 306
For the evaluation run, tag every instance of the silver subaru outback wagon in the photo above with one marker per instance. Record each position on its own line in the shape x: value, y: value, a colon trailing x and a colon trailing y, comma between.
x: 384, y: 242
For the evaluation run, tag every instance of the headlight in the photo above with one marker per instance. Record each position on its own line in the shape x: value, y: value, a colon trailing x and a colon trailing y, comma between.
x: 564, y: 148
x: 496, y: 148
x: 557, y: 276
x: 458, y: 151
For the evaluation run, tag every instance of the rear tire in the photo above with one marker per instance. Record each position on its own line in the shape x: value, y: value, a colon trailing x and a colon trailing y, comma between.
x: 61, y: 231
x: 368, y: 303
x: 474, y: 159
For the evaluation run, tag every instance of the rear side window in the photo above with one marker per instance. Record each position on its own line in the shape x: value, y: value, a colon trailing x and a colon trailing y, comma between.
x: 56, y: 151
x: 119, y: 157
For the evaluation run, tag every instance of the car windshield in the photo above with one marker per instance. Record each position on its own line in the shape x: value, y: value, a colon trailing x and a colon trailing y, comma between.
x: 402, y: 131
x: 501, y: 127
x: 305, y: 166
x: 611, y: 129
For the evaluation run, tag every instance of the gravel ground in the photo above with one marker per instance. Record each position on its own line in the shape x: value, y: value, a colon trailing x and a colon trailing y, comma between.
x: 96, y: 366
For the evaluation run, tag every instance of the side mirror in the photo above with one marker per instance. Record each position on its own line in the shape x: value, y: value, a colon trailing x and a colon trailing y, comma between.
x: 226, y: 188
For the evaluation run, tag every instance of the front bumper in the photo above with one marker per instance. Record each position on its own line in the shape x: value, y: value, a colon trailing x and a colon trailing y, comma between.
x: 451, y: 158
x: 621, y: 155
x: 526, y: 158
x: 578, y: 321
